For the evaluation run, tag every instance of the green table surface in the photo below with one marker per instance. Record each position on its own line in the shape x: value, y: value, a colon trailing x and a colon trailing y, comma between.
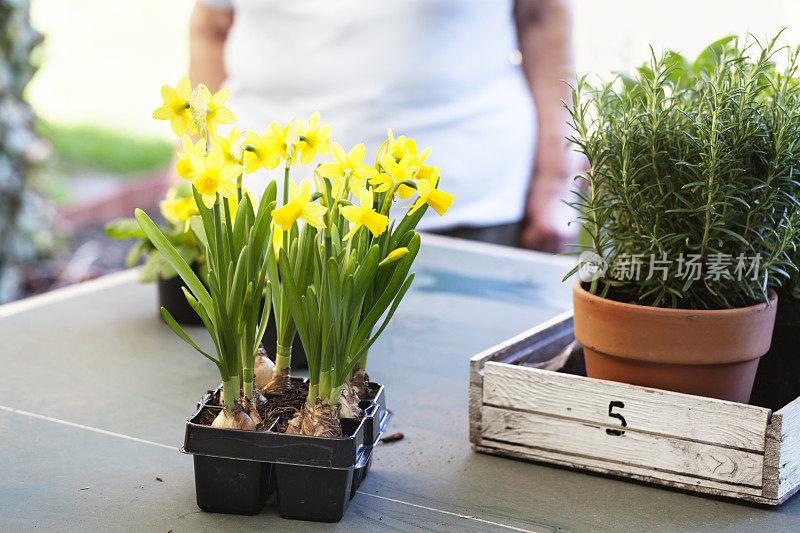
x: 96, y: 390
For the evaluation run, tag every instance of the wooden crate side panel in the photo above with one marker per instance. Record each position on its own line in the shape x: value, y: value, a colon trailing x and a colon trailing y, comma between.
x: 539, y: 343
x: 475, y: 400
x: 653, y: 411
x: 772, y: 445
x: 627, y: 471
x: 789, y: 450
x: 642, y: 450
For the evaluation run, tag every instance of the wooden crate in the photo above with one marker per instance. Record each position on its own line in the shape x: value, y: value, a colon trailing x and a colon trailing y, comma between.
x: 528, y: 400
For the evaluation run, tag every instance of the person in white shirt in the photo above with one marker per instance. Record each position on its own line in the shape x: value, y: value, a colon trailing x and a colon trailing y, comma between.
x: 460, y: 76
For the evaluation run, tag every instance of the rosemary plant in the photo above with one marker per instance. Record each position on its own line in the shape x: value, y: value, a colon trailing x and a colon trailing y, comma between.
x: 692, y: 159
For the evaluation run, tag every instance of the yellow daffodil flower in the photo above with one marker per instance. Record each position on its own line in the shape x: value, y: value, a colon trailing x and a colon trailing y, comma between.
x: 394, y: 255
x: 176, y: 107
x: 232, y: 146
x: 346, y: 166
x: 313, y: 140
x: 440, y: 201
x: 184, y: 166
x: 364, y: 215
x: 392, y: 147
x: 259, y: 152
x: 216, y: 112
x: 398, y: 147
x: 179, y: 210
x: 281, y: 141
x: 212, y: 176
x: 404, y: 152
x: 405, y: 169
x: 299, y: 206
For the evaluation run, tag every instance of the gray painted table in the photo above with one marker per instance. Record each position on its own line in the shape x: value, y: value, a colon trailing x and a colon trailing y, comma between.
x: 96, y: 390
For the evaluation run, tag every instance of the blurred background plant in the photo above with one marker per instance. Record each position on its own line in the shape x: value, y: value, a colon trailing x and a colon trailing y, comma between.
x: 25, y: 239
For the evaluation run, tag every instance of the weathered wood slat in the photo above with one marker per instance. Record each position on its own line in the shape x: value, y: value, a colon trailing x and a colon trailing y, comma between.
x: 629, y: 471
x: 655, y: 411
x: 657, y: 453
x: 543, y: 341
x: 788, y: 478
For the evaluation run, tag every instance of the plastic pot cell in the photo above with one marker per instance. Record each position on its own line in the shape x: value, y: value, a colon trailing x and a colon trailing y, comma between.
x: 227, y: 478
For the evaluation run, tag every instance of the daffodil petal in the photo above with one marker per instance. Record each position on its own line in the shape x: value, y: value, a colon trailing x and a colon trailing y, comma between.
x: 162, y: 113
x: 184, y: 87
x: 209, y: 200
x: 356, y: 155
x: 330, y: 171
x: 227, y: 189
x: 223, y: 115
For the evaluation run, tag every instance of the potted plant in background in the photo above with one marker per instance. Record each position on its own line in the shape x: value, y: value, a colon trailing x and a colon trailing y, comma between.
x: 691, y: 211
x: 176, y: 208
x: 332, y: 262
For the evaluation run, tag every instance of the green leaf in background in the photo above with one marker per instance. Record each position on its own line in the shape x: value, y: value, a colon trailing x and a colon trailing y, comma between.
x: 124, y: 228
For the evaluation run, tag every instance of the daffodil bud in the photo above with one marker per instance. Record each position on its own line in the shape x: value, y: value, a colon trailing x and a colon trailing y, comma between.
x: 237, y: 147
x: 293, y: 135
x: 394, y: 255
x: 199, y: 109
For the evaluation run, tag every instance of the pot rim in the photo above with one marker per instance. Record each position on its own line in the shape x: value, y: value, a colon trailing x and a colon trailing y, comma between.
x: 675, y: 336
x: 669, y: 311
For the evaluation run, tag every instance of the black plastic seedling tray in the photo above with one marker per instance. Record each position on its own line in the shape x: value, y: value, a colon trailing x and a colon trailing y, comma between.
x: 315, y: 478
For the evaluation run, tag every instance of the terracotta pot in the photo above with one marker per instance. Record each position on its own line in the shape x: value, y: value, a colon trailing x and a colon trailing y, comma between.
x: 706, y: 353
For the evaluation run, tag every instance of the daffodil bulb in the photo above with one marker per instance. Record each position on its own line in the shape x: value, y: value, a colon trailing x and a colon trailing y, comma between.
x: 237, y: 420
x: 317, y: 422
x: 249, y: 406
x: 358, y: 383
x: 263, y: 369
x: 348, y: 404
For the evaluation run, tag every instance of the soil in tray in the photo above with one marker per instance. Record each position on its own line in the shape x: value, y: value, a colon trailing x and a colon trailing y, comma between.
x: 277, y: 405
x: 281, y: 407
x: 372, y: 390
x: 285, y: 406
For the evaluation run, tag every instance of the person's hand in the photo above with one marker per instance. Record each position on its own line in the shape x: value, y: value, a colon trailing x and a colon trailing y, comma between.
x: 542, y: 228
x: 542, y: 237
